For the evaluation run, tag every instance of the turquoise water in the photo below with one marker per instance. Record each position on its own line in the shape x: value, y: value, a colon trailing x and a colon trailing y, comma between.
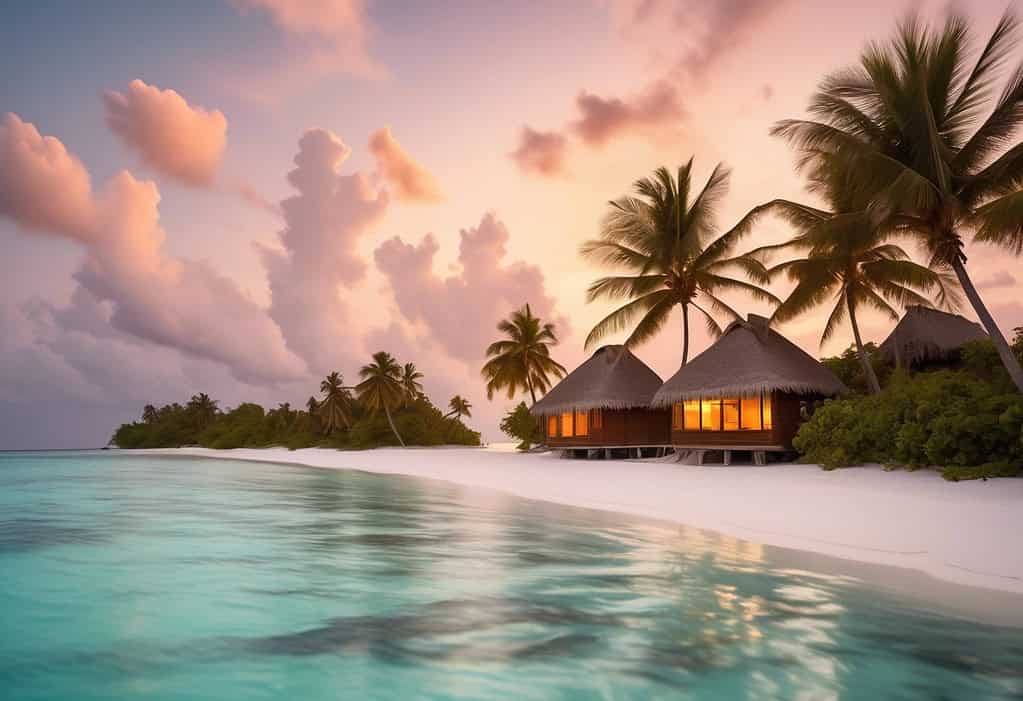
x: 162, y: 578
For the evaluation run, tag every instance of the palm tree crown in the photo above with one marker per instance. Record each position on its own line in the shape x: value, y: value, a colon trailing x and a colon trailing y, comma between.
x: 335, y: 409
x: 203, y: 408
x: 668, y: 242
x: 522, y: 361
x: 925, y: 145
x: 848, y: 263
x: 410, y: 382
x: 460, y: 407
x: 381, y: 387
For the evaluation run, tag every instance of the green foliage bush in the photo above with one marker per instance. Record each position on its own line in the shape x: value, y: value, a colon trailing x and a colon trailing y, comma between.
x: 966, y: 424
x: 523, y: 426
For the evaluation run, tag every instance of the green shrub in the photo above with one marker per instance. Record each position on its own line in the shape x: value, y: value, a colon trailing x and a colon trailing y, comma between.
x: 523, y: 426
x: 949, y: 419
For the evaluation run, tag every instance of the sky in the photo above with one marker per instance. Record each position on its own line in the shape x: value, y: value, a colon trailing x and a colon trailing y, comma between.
x: 238, y: 197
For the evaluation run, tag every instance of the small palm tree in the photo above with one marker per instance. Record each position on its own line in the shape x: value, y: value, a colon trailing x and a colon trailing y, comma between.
x: 149, y: 414
x: 410, y: 382
x: 381, y: 387
x: 203, y: 409
x: 522, y: 361
x: 929, y: 148
x: 459, y: 407
x: 335, y: 409
x: 668, y: 242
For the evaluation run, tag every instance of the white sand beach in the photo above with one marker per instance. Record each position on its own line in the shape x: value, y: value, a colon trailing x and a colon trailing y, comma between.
x: 966, y: 532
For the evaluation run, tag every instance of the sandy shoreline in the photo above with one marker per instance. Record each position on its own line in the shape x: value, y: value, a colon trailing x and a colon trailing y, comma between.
x: 966, y: 533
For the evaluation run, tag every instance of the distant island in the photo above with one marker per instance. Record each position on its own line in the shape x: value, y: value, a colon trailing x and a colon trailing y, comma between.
x: 387, y: 408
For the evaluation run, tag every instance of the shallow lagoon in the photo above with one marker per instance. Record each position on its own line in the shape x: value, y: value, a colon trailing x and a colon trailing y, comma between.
x: 128, y: 576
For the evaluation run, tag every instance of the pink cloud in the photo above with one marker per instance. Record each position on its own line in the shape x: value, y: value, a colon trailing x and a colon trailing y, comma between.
x: 177, y: 303
x: 172, y: 137
x: 317, y: 254
x: 541, y: 152
x: 602, y: 119
x: 486, y: 289
x: 409, y: 179
x: 29, y: 166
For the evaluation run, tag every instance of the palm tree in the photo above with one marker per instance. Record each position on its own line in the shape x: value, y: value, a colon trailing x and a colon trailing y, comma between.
x: 149, y: 414
x: 669, y: 244
x: 313, y: 407
x: 381, y: 387
x: 410, y: 383
x: 848, y: 262
x: 459, y: 407
x: 335, y: 409
x: 522, y: 361
x: 933, y: 153
x: 203, y: 408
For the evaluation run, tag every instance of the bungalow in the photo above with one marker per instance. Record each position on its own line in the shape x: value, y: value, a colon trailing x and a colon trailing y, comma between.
x: 926, y: 336
x: 745, y: 393
x: 605, y: 404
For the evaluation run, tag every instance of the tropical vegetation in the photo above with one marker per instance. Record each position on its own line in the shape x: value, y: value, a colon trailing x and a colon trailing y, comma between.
x: 666, y: 242
x: 519, y: 424
x: 385, y: 412
x: 521, y: 361
x: 848, y: 264
x: 925, y: 146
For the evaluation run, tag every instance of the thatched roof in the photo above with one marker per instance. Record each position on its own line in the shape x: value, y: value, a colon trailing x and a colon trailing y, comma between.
x: 748, y: 359
x: 928, y: 334
x: 613, y: 378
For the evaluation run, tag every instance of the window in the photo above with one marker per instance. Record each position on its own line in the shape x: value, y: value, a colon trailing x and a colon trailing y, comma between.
x: 676, y: 417
x: 730, y: 414
x: 597, y: 419
x: 582, y: 424
x: 552, y: 426
x: 691, y: 412
x: 566, y: 425
x: 710, y: 414
x: 751, y: 414
x: 767, y: 412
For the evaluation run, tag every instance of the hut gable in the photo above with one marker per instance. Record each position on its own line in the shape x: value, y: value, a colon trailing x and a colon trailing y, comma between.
x: 613, y: 378
x: 748, y: 359
x: 928, y: 334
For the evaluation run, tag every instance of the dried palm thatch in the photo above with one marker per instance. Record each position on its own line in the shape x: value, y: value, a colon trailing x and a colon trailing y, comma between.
x: 750, y: 358
x: 928, y: 334
x: 613, y: 378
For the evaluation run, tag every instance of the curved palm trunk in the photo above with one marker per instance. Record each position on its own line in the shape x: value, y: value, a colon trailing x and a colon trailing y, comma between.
x: 868, y: 369
x: 532, y: 392
x: 393, y: 427
x: 1009, y: 360
x: 685, y: 333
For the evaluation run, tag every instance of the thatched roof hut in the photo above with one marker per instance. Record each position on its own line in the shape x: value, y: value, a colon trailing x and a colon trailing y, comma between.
x: 613, y: 378
x: 749, y: 359
x: 925, y: 334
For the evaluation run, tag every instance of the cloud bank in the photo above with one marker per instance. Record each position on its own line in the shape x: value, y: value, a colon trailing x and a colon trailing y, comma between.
x: 174, y: 138
x: 317, y: 255
x: 461, y: 310
x: 155, y: 297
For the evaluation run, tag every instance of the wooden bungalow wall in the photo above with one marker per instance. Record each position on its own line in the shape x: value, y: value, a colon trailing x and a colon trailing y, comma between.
x: 621, y: 428
x: 785, y: 421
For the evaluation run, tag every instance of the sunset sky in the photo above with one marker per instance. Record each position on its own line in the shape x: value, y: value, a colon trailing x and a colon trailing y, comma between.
x: 238, y: 197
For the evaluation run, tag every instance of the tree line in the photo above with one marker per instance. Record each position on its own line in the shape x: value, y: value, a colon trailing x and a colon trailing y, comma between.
x: 387, y: 407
